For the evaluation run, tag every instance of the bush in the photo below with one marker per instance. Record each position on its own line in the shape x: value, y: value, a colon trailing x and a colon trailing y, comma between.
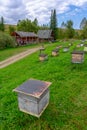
x: 6, y: 41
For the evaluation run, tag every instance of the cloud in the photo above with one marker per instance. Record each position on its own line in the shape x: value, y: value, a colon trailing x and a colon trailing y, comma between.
x: 42, y: 9
x: 14, y: 10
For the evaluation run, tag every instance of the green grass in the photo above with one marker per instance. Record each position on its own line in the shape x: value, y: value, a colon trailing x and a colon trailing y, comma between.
x: 6, y: 53
x: 67, y: 109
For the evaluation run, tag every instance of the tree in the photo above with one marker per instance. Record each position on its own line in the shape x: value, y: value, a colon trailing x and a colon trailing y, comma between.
x: 84, y: 31
x: 35, y: 22
x: 69, y: 29
x: 6, y: 41
x: 83, y: 22
x: 11, y: 29
x: 53, y: 24
x: 63, y: 25
x: 27, y: 25
x: 2, y: 27
x: 83, y: 27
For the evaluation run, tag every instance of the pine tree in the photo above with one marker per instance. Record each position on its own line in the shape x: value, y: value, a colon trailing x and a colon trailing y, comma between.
x: 53, y: 24
x: 2, y: 27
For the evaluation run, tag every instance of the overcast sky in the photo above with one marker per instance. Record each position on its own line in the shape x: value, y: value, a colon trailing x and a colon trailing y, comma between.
x: 14, y: 10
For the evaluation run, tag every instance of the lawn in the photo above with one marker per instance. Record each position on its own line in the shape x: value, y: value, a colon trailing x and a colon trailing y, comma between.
x: 67, y: 109
x: 6, y: 53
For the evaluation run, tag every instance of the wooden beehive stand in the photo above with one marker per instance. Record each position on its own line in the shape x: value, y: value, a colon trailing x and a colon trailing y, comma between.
x: 77, y: 56
x: 33, y: 96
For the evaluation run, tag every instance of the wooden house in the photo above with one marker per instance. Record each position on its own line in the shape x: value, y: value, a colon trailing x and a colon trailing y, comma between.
x: 45, y: 35
x: 25, y: 37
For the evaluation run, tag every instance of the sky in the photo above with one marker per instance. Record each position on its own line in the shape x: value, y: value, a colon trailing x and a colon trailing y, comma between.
x: 14, y: 10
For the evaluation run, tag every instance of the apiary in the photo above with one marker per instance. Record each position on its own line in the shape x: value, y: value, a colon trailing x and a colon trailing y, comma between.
x: 33, y: 96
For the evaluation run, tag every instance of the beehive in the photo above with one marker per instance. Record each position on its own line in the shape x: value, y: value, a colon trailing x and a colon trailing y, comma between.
x: 65, y: 49
x: 85, y: 48
x: 33, y: 96
x: 78, y: 45
x: 43, y: 57
x: 77, y: 56
x: 55, y: 52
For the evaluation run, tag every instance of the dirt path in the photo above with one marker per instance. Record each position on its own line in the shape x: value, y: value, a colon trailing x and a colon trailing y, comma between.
x: 17, y: 57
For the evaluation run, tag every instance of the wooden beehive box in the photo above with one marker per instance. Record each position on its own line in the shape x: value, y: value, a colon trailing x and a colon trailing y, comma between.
x: 85, y: 48
x: 78, y: 45
x: 43, y: 57
x: 81, y: 44
x: 70, y: 44
x: 33, y: 96
x: 55, y: 52
x: 65, y: 49
x: 77, y: 56
x: 58, y: 47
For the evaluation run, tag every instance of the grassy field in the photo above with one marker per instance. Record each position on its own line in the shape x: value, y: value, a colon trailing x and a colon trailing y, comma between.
x: 6, y: 53
x: 67, y: 109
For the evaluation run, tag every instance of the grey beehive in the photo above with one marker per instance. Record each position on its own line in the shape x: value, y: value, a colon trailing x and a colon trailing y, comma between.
x: 33, y: 96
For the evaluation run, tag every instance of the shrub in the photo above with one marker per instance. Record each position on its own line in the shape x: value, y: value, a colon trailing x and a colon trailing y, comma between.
x: 6, y: 41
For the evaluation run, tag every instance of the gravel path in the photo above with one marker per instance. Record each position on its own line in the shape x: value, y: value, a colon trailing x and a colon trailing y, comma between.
x: 17, y: 57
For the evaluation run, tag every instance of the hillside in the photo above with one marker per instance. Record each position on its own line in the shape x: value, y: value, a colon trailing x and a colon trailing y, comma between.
x: 7, y: 27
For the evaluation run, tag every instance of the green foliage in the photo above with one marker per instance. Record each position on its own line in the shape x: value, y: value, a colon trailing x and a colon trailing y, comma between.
x: 63, y: 25
x: 11, y: 29
x: 67, y: 109
x: 44, y: 27
x: 6, y: 41
x: 84, y: 30
x: 35, y: 22
x: 69, y: 29
x: 27, y: 25
x: 2, y: 27
x: 6, y: 53
x: 53, y: 24
x: 61, y: 33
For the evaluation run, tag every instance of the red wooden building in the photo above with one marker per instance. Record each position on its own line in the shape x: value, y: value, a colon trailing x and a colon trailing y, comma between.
x: 25, y: 37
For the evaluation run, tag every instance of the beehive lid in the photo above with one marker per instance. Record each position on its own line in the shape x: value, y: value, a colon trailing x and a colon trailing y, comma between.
x: 78, y: 52
x: 55, y: 50
x: 33, y: 87
x: 66, y: 47
x: 43, y: 55
x: 42, y: 49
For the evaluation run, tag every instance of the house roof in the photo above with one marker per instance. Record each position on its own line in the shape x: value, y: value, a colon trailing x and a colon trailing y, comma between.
x: 26, y: 34
x: 44, y: 34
